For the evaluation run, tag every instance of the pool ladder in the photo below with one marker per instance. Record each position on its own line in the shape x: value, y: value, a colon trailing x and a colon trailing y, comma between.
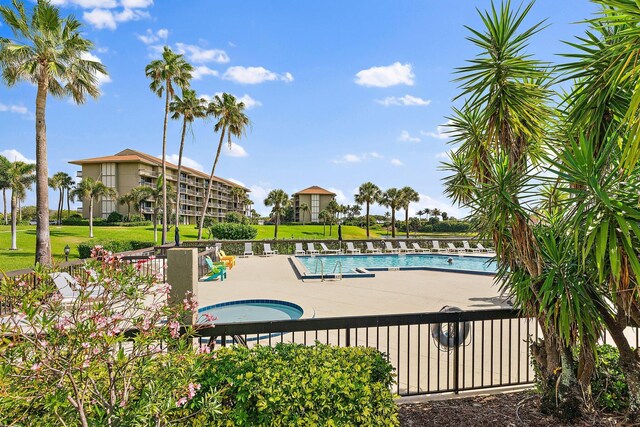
x: 337, y: 276
x: 319, y: 261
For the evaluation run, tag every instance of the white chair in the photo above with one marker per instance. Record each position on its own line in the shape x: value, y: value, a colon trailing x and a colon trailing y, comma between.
x: 299, y: 250
x: 483, y: 249
x: 388, y: 247
x: 248, y: 249
x: 352, y: 249
x: 467, y: 248
x: 311, y: 249
x: 68, y: 288
x: 452, y: 248
x: 418, y: 248
x: 268, y: 250
x: 436, y: 247
x: 371, y: 249
x: 404, y: 248
x: 326, y: 250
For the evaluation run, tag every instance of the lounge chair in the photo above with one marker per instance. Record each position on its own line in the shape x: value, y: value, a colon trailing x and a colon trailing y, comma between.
x: 371, y: 249
x: 418, y: 248
x: 483, y: 249
x: 388, y: 247
x: 452, y: 248
x: 436, y: 247
x: 248, y: 249
x: 299, y: 250
x: 404, y: 248
x: 311, y: 249
x: 352, y: 249
x: 68, y: 288
x: 215, y: 271
x: 268, y: 251
x: 230, y: 260
x: 326, y: 250
x: 468, y: 248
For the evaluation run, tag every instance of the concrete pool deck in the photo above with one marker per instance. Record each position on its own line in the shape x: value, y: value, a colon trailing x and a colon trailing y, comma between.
x: 389, y: 292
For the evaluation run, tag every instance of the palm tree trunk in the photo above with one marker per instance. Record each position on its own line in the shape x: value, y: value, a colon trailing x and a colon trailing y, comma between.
x: 184, y: 130
x: 406, y: 221
x: 155, y: 227
x: 393, y: 222
x: 128, y: 211
x: 60, y: 205
x: 275, y: 233
x: 164, y: 165
x: 68, y: 202
x: 43, y: 242
x: 13, y: 221
x: 208, y: 194
x: 90, y: 216
x: 367, y: 220
x: 4, y: 202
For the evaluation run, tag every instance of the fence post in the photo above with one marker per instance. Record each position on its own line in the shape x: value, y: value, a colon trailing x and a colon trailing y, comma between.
x: 456, y: 356
x: 348, y: 337
x: 182, y: 275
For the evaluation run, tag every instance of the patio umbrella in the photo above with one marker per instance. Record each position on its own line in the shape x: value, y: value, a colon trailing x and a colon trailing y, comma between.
x: 177, y: 236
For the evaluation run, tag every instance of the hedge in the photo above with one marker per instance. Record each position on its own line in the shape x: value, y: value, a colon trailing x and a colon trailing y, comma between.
x: 292, y: 384
x: 115, y: 246
x: 232, y: 231
x: 100, y: 222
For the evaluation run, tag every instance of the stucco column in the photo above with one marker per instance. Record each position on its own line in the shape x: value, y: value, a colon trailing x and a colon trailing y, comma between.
x: 182, y: 275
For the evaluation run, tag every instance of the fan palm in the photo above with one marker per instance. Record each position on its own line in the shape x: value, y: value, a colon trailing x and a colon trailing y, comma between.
x: 93, y: 190
x: 153, y: 193
x: 333, y: 209
x: 61, y: 181
x: 129, y: 199
x: 368, y: 193
x: 20, y: 176
x: 409, y: 195
x: 164, y: 73
x: 232, y: 121
x: 304, y: 210
x: 54, y: 184
x: 324, y: 215
x: 5, y: 185
x: 279, y: 200
x: 48, y: 51
x: 392, y: 199
x: 66, y: 184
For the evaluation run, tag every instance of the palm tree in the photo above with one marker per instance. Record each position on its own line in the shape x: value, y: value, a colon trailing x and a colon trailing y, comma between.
x: 408, y: 195
x: 153, y: 194
x: 60, y: 181
x: 392, y: 199
x: 21, y: 177
x: 232, y: 121
x: 66, y: 184
x: 129, y: 199
x: 304, y: 209
x: 324, y: 215
x: 189, y: 107
x: 279, y: 200
x: 54, y: 184
x: 238, y: 195
x: 93, y: 190
x: 444, y: 215
x: 5, y: 185
x: 164, y: 73
x: 368, y: 193
x: 49, y: 52
x: 435, y: 212
x: 427, y: 212
x: 333, y: 209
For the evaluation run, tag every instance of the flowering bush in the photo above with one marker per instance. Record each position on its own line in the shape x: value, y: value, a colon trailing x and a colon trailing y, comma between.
x: 100, y: 357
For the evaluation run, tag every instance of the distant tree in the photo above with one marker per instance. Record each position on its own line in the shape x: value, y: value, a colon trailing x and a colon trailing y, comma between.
x: 304, y: 209
x: 93, y: 190
x: 130, y: 198
x: 279, y: 200
x: 324, y: 215
x: 409, y: 195
x: 444, y: 215
x: 333, y: 209
x: 368, y: 193
x: 60, y: 181
x: 435, y: 212
x: 153, y: 193
x: 67, y: 183
x: 21, y: 177
x: 5, y: 185
x: 393, y: 199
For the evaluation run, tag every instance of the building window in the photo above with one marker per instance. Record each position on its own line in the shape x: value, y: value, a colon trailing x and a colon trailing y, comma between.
x: 108, y: 178
x: 315, y: 207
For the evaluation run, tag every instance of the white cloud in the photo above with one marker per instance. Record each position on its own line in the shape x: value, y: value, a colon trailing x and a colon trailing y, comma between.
x: 407, y: 101
x: 340, y: 197
x: 101, y: 18
x: 200, y: 55
x: 14, y: 155
x: 101, y: 78
x: 186, y: 161
x: 355, y: 158
x: 249, y: 102
x: 442, y: 132
x: 406, y: 137
x: 202, y: 70
x: 150, y: 37
x: 17, y: 109
x: 136, y: 4
x: 236, y: 181
x: 396, y: 162
x: 385, y: 76
x: 254, y: 75
x: 235, y: 151
x: 87, y: 4
x: 376, y: 155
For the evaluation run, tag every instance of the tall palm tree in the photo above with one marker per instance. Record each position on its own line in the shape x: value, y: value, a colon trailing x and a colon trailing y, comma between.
x: 333, y: 209
x: 93, y: 190
x: 368, y: 193
x: 60, y: 181
x: 304, y: 209
x: 66, y: 184
x: 238, y: 195
x: 280, y: 201
x: 189, y: 107
x: 444, y: 215
x: 128, y: 199
x: 392, y: 199
x: 232, y: 121
x: 153, y: 193
x: 49, y: 52
x: 164, y: 73
x: 21, y: 177
x: 54, y: 184
x: 5, y: 185
x: 409, y: 195
x: 324, y: 215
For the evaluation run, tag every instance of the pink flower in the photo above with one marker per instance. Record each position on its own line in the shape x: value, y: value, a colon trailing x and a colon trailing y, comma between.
x: 210, y: 317
x: 204, y: 349
x: 85, y: 345
x: 193, y: 389
x: 36, y: 367
x: 182, y: 401
x: 174, y: 329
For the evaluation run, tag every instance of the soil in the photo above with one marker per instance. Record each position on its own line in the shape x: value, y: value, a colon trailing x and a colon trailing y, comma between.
x: 521, y: 409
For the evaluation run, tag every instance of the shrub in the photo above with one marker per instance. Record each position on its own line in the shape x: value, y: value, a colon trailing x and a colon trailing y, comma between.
x: 609, y: 389
x: 235, y: 218
x: 230, y: 231
x: 293, y: 384
x: 115, y: 217
x: 115, y: 246
x: 137, y: 218
x: 82, y: 221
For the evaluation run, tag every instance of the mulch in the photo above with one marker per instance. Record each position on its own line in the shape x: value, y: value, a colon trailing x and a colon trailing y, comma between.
x: 518, y: 409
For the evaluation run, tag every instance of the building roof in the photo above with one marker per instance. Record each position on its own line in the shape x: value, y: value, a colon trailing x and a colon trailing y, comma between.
x: 132, y: 156
x: 315, y: 190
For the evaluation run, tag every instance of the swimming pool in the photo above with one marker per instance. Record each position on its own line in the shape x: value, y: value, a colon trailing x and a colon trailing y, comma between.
x: 468, y: 264
x: 254, y: 310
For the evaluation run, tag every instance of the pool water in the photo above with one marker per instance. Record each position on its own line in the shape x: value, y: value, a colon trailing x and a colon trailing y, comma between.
x: 251, y: 311
x: 373, y: 262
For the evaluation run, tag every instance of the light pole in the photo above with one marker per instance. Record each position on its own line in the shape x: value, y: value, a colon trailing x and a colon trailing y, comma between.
x: 67, y: 250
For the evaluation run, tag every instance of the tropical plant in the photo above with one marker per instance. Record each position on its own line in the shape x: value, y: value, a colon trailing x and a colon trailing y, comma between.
x: 54, y: 184
x: 409, y: 195
x: 392, y: 199
x: 279, y: 200
x: 368, y: 194
x: 92, y: 190
x: 189, y: 107
x: 5, y: 185
x: 232, y: 121
x: 48, y: 51
x: 130, y: 198
x: 304, y: 210
x: 20, y: 176
x: 325, y: 216
x: 164, y: 73
x: 333, y: 209
x: 66, y: 184
x: 60, y: 181
x: 153, y: 193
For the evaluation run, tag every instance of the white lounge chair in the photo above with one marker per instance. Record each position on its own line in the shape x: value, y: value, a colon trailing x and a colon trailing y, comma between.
x: 371, y: 249
x: 404, y: 248
x: 311, y: 249
x: 388, y: 247
x: 326, y: 250
x: 352, y: 249
x: 248, y: 249
x: 452, y: 248
x: 68, y: 287
x: 436, y: 247
x: 299, y: 250
x: 483, y: 249
x: 418, y: 248
x: 268, y: 250
x: 468, y: 248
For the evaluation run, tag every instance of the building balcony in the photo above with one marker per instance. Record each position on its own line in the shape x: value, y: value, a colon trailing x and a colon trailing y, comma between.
x: 148, y: 172
x: 79, y: 174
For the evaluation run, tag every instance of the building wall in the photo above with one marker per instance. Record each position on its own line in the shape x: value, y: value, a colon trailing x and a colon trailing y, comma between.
x: 312, y: 216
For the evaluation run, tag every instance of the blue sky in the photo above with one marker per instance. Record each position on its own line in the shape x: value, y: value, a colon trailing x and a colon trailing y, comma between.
x: 340, y: 92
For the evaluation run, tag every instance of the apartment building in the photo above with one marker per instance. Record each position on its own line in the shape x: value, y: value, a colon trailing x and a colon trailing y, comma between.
x: 317, y: 198
x: 129, y: 169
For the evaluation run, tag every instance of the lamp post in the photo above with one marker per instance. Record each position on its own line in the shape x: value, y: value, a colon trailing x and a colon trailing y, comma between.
x: 67, y: 250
